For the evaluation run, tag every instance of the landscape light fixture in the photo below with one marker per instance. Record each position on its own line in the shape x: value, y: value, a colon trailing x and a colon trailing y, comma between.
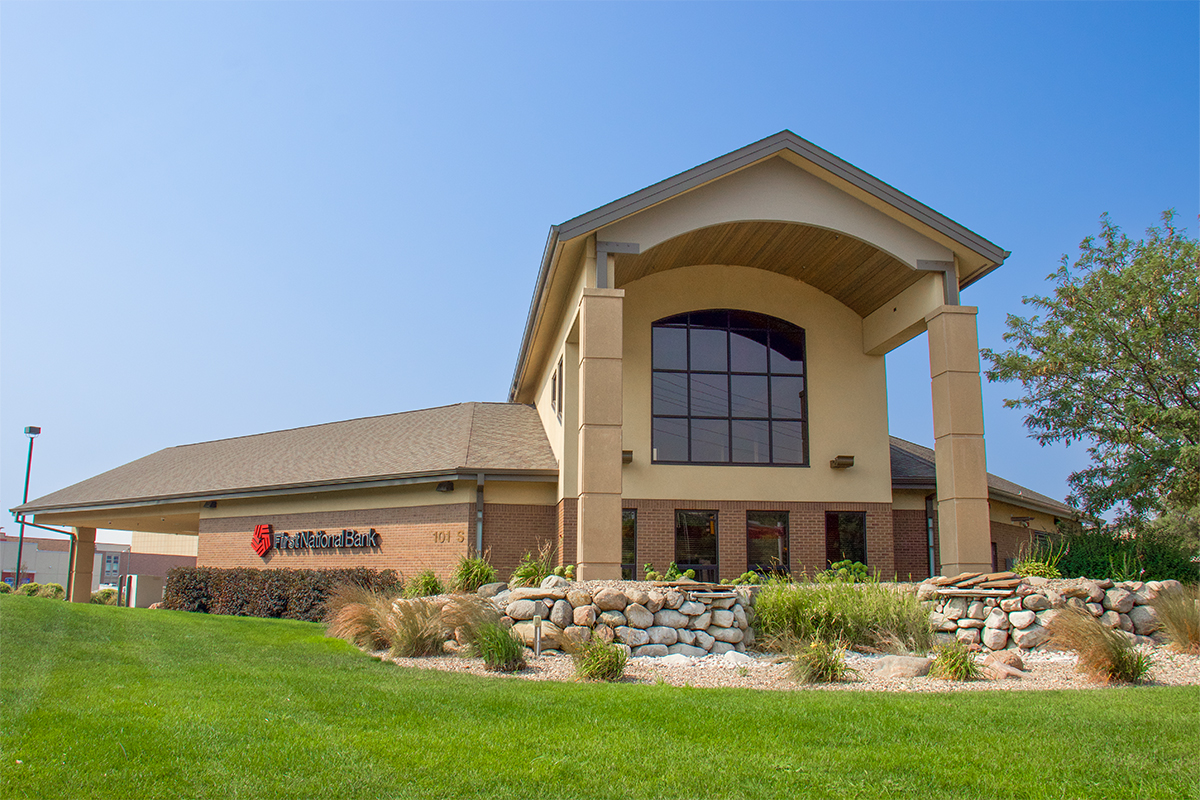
x: 31, y: 431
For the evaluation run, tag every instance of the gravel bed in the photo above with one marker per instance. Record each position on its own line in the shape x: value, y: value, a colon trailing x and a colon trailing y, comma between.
x: 1047, y: 670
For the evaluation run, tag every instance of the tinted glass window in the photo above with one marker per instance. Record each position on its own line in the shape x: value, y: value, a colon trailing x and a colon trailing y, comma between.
x: 629, y: 544
x: 696, y: 543
x: 767, y: 541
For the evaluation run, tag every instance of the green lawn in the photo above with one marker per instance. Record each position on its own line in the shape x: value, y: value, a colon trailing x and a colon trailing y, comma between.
x: 124, y: 703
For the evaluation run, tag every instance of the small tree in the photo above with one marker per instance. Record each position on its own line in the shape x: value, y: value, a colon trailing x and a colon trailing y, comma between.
x: 1115, y: 363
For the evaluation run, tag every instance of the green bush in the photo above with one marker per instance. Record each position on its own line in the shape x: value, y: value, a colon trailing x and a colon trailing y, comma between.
x: 860, y: 614
x: 471, y: 573
x: 819, y: 661
x: 287, y: 593
x: 426, y: 584
x: 5, y: 588
x: 534, y: 569
x: 30, y: 589
x: 104, y: 597
x: 1150, y: 555
x: 597, y: 660
x: 54, y: 591
x: 1104, y: 654
x: 499, y: 649
x: 954, y: 662
x: 844, y: 572
x: 1179, y: 615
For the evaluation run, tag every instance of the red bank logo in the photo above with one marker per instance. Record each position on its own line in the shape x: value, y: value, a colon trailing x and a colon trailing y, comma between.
x: 261, y: 540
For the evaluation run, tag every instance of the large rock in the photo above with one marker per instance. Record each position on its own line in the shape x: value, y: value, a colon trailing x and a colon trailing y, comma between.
x: 526, y: 609
x: 1022, y: 619
x: 955, y: 608
x: 721, y: 648
x: 610, y: 600
x: 585, y: 615
x: 579, y: 598
x: 562, y: 614
x: 1035, y: 602
x: 1118, y: 600
x: 731, y: 635
x: 1145, y: 596
x: 1028, y: 638
x: 997, y: 619
x: 554, y: 582
x: 650, y: 651
x: 722, y: 618
x: 533, y: 593
x: 634, y: 637
x: 674, y: 600
x: 748, y: 638
x: 1044, y: 618
x: 637, y: 596
x: 604, y: 633
x: 976, y: 610
x: 692, y: 608
x: 551, y: 634
x: 1110, y: 619
x: 1170, y: 586
x: 703, y: 640
x: 997, y: 669
x: 685, y: 636
x: 902, y: 666
x: 1056, y: 599
x: 1145, y: 620
x: 700, y: 621
x: 942, y: 624
x: 968, y: 622
x: 613, y: 619
x: 1095, y: 609
x: 740, y: 617
x: 575, y: 634
x: 654, y: 602
x: 1126, y: 623
x: 926, y: 591
x: 638, y: 616
x: 670, y: 618
x: 995, y: 638
x: 686, y: 650
x: 661, y: 634
x: 491, y: 589
x: 1011, y: 604
x: 968, y: 635
x: 725, y: 603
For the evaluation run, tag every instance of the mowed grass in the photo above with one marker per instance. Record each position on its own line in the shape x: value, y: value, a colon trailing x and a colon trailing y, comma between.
x: 123, y: 703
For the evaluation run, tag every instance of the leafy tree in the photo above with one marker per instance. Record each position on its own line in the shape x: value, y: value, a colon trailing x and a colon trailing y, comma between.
x: 1115, y: 363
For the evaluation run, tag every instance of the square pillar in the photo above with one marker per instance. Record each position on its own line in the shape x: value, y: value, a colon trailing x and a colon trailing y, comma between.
x: 598, y: 536
x: 964, y: 526
x: 81, y: 567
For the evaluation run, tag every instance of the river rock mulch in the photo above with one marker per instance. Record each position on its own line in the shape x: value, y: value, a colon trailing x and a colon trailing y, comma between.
x: 1044, y: 670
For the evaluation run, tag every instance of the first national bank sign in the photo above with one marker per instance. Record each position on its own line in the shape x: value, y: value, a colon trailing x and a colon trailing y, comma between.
x: 265, y: 538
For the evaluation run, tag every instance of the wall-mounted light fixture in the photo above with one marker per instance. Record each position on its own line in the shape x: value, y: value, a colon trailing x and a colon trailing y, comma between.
x: 210, y: 503
x: 446, y: 486
x: 626, y: 456
x: 842, y: 462
x: 1022, y: 521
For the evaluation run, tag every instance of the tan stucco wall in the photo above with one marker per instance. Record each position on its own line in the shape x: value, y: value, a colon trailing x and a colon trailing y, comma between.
x: 1004, y: 512
x: 847, y: 391
x: 910, y: 499
x: 163, y: 543
x: 775, y: 190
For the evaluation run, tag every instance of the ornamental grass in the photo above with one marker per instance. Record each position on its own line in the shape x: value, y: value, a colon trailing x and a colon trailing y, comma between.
x: 1179, y: 614
x: 1105, y: 654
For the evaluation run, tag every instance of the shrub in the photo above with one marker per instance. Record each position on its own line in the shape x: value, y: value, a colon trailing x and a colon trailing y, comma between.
x: 1104, y: 654
x: 819, y: 661
x: 1108, y: 552
x: 844, y: 572
x: 415, y: 627
x: 471, y: 573
x: 54, y: 591
x: 499, y: 649
x: 534, y: 569
x: 288, y: 593
x: 30, y: 589
x: 104, y: 597
x: 1179, y: 615
x: 597, y: 660
x: 954, y: 662
x: 359, y: 616
x: 5, y: 588
x: 426, y: 584
x: 1041, y: 559
x: 861, y: 615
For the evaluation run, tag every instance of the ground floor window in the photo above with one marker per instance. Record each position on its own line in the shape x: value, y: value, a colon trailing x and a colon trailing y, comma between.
x: 112, y: 564
x: 629, y: 544
x: 696, y: 543
x: 767, y: 541
x: 845, y: 536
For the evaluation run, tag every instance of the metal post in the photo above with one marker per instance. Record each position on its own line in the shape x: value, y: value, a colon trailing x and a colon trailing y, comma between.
x: 31, y: 432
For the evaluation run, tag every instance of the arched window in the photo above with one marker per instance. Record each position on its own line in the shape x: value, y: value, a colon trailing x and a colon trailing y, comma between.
x: 728, y: 388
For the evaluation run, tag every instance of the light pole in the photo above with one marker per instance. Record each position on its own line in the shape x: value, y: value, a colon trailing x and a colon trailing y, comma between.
x: 31, y: 431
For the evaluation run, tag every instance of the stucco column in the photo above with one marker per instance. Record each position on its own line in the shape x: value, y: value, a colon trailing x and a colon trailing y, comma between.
x: 598, y: 540
x: 964, y: 531
x: 81, y: 567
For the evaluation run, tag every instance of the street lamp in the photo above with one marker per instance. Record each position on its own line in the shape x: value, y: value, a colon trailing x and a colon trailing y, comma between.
x: 31, y: 431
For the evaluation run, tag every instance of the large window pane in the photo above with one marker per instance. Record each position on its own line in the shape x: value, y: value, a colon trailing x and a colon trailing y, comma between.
x: 846, y: 536
x: 670, y: 348
x: 629, y: 544
x: 695, y: 538
x: 787, y: 442
x: 749, y: 395
x: 708, y: 350
x: 710, y: 395
x: 787, y: 353
x: 748, y: 351
x: 751, y: 441
x: 710, y: 440
x: 670, y: 439
x: 767, y: 541
x: 786, y: 397
x: 670, y: 393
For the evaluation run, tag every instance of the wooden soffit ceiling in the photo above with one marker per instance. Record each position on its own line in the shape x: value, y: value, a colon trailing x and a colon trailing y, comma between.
x: 851, y: 271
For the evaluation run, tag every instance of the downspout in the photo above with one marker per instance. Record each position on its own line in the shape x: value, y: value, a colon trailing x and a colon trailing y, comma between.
x: 479, y: 515
x: 70, y: 558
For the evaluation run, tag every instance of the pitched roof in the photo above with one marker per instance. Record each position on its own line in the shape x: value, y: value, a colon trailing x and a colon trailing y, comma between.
x: 490, y: 437
x: 913, y: 467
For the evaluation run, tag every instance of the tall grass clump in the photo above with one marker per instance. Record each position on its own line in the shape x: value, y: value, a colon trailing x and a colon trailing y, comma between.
x: 859, y: 614
x: 415, y: 626
x: 598, y: 660
x: 463, y: 616
x: 426, y: 584
x: 499, y: 649
x: 1104, y: 654
x: 359, y: 616
x: 533, y: 569
x: 954, y: 662
x: 820, y: 661
x: 1179, y: 614
x: 471, y: 573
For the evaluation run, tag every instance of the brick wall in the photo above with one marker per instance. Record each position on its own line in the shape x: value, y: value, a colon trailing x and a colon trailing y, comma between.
x: 158, y: 563
x: 511, y: 531
x: 806, y: 533
x: 410, y: 539
x: 567, y: 514
x: 912, y: 545
x: 1009, y: 539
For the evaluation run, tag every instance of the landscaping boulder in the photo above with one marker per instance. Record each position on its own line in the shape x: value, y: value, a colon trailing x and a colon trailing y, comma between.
x: 561, y: 614
x: 610, y: 600
x: 1119, y: 600
x: 551, y: 634
x: 902, y: 666
x: 1035, y: 602
x: 554, y: 582
x: 1031, y: 637
x: 491, y: 589
x: 585, y: 615
x: 1145, y: 620
x: 661, y: 634
x: 579, y: 598
x: 1022, y: 619
x: 686, y: 650
x: 634, y: 637
x: 638, y: 616
x: 995, y: 638
x: 670, y: 618
x: 613, y: 618
x: 650, y: 651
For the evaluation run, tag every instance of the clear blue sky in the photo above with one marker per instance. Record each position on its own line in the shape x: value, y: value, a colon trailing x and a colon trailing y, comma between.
x: 219, y: 219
